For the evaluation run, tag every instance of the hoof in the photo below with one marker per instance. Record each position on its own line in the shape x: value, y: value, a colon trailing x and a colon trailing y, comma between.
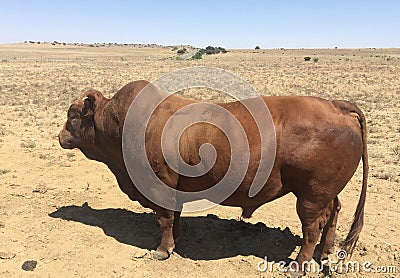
x: 323, y: 255
x: 160, y: 255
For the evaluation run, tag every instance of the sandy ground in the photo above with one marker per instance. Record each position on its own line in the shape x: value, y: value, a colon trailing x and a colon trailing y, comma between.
x: 68, y: 214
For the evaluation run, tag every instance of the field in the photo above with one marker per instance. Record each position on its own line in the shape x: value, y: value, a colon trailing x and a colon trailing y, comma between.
x: 68, y: 214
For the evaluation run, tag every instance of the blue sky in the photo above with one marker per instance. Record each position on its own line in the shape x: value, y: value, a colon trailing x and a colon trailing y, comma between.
x: 231, y: 24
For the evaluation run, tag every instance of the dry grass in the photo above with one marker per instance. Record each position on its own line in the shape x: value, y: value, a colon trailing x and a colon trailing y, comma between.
x: 38, y: 83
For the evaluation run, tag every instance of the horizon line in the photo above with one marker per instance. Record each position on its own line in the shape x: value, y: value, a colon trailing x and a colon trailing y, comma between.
x: 187, y: 45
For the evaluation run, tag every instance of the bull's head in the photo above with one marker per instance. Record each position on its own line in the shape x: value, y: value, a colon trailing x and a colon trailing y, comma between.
x: 79, y: 130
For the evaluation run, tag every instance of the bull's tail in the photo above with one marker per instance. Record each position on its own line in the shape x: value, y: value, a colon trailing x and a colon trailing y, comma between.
x: 358, y: 220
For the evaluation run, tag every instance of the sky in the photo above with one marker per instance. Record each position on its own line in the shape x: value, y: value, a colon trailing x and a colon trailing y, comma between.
x: 230, y: 24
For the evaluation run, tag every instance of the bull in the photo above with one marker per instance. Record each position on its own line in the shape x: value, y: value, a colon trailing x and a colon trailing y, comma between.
x: 319, y: 144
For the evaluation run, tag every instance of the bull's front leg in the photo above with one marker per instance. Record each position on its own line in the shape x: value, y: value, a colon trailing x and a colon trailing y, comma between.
x: 166, y: 220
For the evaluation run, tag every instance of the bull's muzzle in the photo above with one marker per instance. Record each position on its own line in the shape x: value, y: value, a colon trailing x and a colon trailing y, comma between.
x: 63, y: 139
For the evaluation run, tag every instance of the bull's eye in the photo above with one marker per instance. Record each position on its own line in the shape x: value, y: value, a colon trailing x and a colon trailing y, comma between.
x: 76, y: 124
x: 68, y: 126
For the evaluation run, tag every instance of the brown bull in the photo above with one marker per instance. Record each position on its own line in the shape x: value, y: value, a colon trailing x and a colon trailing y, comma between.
x: 319, y: 146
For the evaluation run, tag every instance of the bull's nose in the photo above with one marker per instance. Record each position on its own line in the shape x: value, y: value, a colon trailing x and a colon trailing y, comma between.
x: 59, y: 137
x: 62, y: 141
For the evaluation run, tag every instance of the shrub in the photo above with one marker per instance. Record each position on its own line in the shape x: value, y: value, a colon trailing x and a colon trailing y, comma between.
x: 209, y: 50
x: 4, y: 171
x: 197, y: 56
x: 307, y: 58
x: 257, y: 47
x: 70, y: 154
x: 214, y: 50
x: 181, y: 51
x: 29, y: 144
x: 315, y: 59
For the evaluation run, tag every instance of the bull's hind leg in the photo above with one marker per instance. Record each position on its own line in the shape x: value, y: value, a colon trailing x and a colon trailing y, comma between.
x: 167, y: 244
x: 313, y: 219
x: 327, y: 244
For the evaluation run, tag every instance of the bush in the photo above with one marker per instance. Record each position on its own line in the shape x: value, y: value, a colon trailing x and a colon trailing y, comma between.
x: 181, y: 51
x: 213, y: 50
x: 29, y: 144
x: 307, y: 58
x: 4, y: 171
x: 197, y: 56
x: 315, y: 59
x: 257, y: 47
x: 209, y: 50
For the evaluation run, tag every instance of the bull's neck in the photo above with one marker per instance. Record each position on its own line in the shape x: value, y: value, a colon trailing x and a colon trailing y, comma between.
x: 107, y: 139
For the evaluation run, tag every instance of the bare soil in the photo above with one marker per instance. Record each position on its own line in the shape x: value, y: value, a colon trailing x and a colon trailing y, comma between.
x: 67, y: 213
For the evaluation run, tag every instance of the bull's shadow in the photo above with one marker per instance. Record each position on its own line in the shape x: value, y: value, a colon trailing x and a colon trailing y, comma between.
x: 202, y: 237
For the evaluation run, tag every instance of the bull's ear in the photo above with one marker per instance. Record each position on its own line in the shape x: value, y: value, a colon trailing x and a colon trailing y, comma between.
x: 89, y: 105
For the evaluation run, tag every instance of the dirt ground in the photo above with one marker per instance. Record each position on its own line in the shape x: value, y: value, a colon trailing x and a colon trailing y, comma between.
x: 68, y: 214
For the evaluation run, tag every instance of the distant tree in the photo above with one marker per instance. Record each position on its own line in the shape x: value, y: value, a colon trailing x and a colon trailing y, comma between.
x: 257, y: 47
